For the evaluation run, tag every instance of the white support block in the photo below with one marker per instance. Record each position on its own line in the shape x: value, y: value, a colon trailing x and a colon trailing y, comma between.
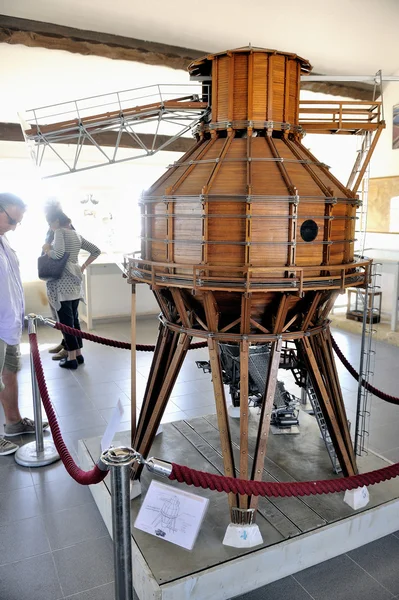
x: 357, y: 498
x: 234, y: 411
x: 242, y: 536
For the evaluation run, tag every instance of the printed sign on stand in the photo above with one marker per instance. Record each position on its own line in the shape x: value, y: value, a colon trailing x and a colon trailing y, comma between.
x: 172, y: 514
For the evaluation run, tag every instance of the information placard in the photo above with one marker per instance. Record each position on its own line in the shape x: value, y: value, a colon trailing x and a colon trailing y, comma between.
x: 171, y: 514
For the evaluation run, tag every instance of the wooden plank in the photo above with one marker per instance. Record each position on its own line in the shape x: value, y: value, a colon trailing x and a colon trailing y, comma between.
x: 281, y: 314
x: 298, y: 511
x: 166, y: 343
x: 211, y: 311
x: 221, y: 411
x: 368, y: 157
x: 265, y: 415
x: 181, y: 309
x: 294, y: 458
x: 331, y: 372
x: 205, y: 439
x: 328, y: 409
x: 311, y: 312
x: 158, y: 404
x: 244, y: 410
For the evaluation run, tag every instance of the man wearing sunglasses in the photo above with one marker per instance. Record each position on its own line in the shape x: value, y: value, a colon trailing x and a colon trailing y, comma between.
x: 12, y: 309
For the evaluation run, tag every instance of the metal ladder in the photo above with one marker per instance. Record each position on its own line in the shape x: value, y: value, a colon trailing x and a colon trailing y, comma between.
x: 314, y: 401
x: 366, y: 368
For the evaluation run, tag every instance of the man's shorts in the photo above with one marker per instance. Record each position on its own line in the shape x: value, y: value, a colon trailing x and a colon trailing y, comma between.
x: 9, y: 359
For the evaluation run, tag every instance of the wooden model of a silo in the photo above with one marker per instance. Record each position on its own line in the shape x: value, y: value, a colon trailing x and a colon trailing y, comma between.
x: 248, y: 239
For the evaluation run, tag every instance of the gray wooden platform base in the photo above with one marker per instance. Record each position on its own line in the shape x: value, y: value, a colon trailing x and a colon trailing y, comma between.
x: 297, y: 532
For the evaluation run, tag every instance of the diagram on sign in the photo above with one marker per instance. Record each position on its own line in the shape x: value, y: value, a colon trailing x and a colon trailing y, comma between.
x: 168, y: 515
x: 172, y: 514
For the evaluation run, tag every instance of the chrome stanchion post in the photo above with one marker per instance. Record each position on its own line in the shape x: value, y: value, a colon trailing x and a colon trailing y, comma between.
x: 120, y: 460
x: 37, y: 405
x: 38, y: 453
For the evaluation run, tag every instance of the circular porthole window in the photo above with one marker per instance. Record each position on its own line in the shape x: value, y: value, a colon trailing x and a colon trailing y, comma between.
x: 309, y: 230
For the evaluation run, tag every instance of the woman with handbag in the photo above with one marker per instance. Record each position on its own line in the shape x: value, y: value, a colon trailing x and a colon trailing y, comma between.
x: 64, y: 287
x: 59, y: 351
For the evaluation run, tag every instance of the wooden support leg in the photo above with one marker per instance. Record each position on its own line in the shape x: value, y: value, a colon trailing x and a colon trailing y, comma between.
x: 164, y: 349
x: 332, y: 375
x: 221, y: 411
x: 320, y: 379
x: 161, y: 395
x: 244, y: 388
x: 265, y: 415
x: 158, y: 392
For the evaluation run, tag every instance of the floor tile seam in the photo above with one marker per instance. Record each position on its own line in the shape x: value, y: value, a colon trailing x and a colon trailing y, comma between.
x: 35, y: 555
x: 39, y: 516
x: 77, y: 380
x: 13, y: 489
x: 15, y: 562
x: 89, y: 539
x: 101, y: 537
x: 82, y: 429
x: 57, y: 574
x: 90, y: 503
x: 300, y: 585
x: 370, y: 575
x: 97, y: 587
x: 77, y: 415
x: 52, y: 512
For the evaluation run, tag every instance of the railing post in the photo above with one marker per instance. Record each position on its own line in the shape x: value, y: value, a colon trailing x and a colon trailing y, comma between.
x: 120, y: 460
x: 38, y: 453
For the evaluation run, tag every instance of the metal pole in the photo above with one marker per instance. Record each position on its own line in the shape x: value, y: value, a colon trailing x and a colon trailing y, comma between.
x: 38, y: 453
x: 120, y: 460
x: 37, y: 405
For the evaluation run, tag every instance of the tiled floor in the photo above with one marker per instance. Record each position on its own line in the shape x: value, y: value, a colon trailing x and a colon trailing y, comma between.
x: 54, y: 544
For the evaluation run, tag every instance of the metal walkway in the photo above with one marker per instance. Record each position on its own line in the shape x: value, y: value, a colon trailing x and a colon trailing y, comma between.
x: 140, y: 122
x: 145, y: 120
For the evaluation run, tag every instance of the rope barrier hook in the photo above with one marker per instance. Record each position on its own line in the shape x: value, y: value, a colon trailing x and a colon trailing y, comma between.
x: 120, y: 456
x: 158, y: 466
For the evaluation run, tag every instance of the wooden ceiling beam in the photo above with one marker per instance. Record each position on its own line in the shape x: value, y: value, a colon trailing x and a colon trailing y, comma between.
x: 14, y: 30
x: 37, y: 34
x: 12, y: 132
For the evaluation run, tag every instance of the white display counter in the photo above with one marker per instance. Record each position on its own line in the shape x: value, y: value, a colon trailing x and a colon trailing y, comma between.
x: 108, y: 295
x: 389, y: 281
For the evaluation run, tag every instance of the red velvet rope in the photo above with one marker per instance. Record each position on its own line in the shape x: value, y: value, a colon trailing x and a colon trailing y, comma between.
x: 115, y: 343
x: 365, y: 384
x: 264, y: 488
x: 201, y: 479
x: 96, y: 475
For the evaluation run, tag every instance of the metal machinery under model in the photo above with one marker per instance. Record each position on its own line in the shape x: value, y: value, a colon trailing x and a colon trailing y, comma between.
x: 285, y: 405
x: 246, y: 242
